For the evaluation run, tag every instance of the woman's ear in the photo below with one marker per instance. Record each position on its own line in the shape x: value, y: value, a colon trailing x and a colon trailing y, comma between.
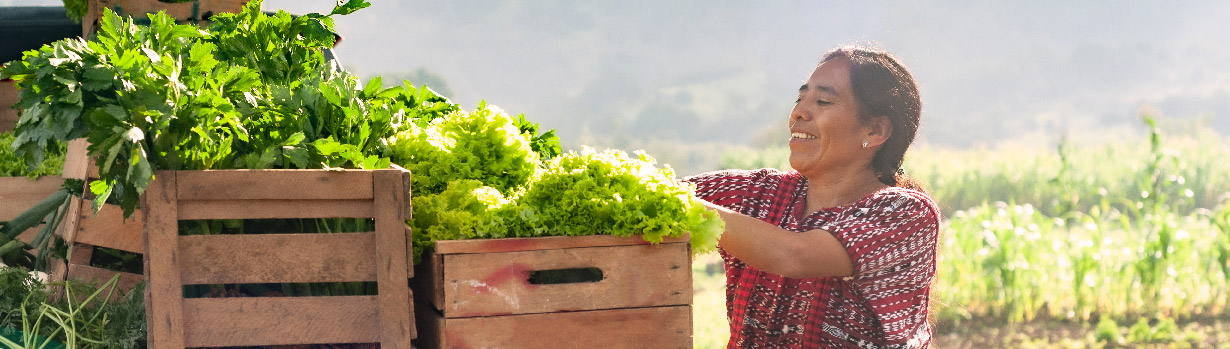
x: 880, y: 130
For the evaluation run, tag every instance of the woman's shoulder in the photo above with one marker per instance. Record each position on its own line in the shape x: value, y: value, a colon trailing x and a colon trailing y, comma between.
x: 903, y: 199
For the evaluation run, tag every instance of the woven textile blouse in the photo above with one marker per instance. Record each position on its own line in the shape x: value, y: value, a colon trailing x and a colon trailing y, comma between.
x: 891, y: 237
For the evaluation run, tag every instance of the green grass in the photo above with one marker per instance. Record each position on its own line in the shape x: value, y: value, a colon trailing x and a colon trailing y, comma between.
x: 710, y: 328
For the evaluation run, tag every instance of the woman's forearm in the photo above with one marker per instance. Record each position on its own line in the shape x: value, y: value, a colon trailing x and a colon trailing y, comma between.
x: 764, y: 246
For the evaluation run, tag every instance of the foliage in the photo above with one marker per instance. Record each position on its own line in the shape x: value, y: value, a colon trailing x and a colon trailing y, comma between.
x: 586, y: 193
x: 483, y: 145
x: 76, y: 9
x: 30, y: 317
x: 610, y: 193
x: 253, y: 91
x: 12, y: 165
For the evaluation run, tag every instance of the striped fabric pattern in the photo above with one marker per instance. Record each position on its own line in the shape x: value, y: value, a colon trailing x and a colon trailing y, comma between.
x: 890, y: 235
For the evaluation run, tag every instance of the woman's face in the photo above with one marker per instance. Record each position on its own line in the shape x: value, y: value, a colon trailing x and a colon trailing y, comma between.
x: 825, y: 131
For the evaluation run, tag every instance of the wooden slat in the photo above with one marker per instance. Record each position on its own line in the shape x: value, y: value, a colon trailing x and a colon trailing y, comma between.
x: 396, y: 321
x: 429, y: 286
x: 85, y: 273
x: 262, y: 209
x: 274, y: 184
x: 540, y: 243
x: 18, y: 194
x: 498, y: 283
x: 80, y: 254
x: 179, y: 11
x: 164, y: 294
x: 138, y: 8
x: 76, y: 159
x: 218, y: 322
x: 410, y: 251
x: 72, y: 218
x: 109, y: 229
x: 657, y: 327
x: 277, y: 258
x: 8, y: 97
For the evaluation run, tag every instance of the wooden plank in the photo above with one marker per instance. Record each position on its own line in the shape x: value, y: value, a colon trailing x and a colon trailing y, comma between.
x: 633, y: 276
x: 541, y: 243
x: 277, y: 258
x: 72, y: 218
x: 262, y: 209
x: 76, y: 159
x: 18, y: 194
x: 164, y: 292
x: 80, y: 254
x: 396, y: 319
x: 108, y: 228
x: 656, y: 327
x: 427, y: 322
x: 8, y: 97
x: 274, y: 185
x: 218, y: 322
x: 99, y: 276
x: 429, y: 285
x: 409, y: 251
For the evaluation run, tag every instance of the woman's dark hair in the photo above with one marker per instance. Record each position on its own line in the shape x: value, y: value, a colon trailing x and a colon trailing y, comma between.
x: 884, y: 87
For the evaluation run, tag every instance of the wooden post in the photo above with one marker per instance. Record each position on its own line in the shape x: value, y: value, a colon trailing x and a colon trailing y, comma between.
x: 164, y: 290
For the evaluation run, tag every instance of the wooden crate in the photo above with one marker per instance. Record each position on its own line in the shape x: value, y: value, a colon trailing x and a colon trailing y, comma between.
x: 83, y: 230
x: 480, y: 293
x: 185, y: 11
x: 8, y: 97
x: 382, y: 256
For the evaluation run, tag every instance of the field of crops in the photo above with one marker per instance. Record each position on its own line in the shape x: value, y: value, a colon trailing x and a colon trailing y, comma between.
x: 1092, y: 244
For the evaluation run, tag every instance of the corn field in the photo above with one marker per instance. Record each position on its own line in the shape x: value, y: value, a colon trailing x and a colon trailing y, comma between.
x: 1126, y: 230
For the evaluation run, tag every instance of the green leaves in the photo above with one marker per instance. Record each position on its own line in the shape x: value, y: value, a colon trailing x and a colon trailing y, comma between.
x: 254, y: 91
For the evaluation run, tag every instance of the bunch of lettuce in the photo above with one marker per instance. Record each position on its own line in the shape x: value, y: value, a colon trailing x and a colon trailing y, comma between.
x: 465, y: 209
x: 586, y: 193
x: 592, y: 193
x: 484, y: 145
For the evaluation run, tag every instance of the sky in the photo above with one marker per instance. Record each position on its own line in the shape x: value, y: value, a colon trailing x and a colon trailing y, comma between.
x: 693, y: 75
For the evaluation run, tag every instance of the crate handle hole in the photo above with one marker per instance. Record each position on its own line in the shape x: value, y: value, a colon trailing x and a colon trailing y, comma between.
x: 565, y: 276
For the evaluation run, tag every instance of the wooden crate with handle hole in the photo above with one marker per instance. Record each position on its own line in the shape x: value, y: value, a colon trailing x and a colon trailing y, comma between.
x: 585, y: 291
x: 382, y: 256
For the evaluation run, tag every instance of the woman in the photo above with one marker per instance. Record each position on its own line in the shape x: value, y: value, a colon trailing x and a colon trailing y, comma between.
x: 841, y: 251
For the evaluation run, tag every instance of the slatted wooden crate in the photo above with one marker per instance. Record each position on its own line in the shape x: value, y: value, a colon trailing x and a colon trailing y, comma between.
x: 487, y: 293
x: 184, y: 11
x: 84, y: 230
x: 381, y: 256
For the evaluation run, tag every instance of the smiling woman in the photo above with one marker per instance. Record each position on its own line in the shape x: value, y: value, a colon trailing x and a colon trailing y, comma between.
x: 840, y: 251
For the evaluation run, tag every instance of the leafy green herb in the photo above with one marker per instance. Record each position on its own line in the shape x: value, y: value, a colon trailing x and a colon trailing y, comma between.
x: 253, y: 91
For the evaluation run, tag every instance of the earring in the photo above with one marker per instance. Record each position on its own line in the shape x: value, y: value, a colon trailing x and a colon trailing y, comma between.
x: 864, y: 144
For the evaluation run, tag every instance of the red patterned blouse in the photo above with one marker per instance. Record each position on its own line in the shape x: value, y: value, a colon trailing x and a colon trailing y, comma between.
x: 891, y: 237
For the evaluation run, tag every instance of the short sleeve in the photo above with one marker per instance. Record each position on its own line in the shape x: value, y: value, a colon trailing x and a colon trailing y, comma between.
x: 732, y: 188
x: 892, y: 240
